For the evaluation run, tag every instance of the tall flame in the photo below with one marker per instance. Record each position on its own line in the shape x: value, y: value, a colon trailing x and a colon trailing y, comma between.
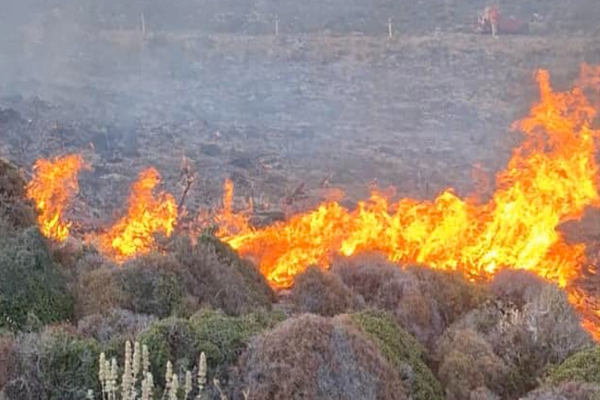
x: 147, y: 215
x: 550, y: 179
x: 53, y: 186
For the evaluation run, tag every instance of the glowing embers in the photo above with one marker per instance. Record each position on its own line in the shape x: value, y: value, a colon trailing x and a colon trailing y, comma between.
x: 52, y: 188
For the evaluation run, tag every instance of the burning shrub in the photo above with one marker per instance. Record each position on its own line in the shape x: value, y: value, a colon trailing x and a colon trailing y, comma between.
x: 31, y: 286
x: 15, y: 210
x: 215, y: 275
x: 468, y: 363
x: 566, y: 391
x: 582, y: 366
x: 313, y: 357
x: 321, y: 292
x: 402, y: 351
x: 222, y: 338
x: 54, y: 364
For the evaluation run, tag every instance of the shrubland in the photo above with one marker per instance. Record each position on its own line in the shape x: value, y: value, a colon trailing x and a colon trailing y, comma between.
x: 366, y: 328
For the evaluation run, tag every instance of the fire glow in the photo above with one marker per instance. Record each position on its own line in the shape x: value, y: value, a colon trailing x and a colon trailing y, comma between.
x: 148, y: 214
x: 53, y: 186
x: 550, y: 179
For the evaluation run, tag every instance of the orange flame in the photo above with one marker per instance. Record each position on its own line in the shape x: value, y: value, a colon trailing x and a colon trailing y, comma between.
x: 227, y: 220
x: 550, y: 179
x: 147, y: 215
x: 53, y: 186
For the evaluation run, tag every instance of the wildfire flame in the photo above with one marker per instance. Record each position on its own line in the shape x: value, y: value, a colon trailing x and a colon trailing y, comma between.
x: 147, y: 215
x: 53, y: 186
x: 551, y: 178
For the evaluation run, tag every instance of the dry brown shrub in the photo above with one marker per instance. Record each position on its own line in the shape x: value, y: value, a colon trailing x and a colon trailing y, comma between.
x: 424, y: 301
x: 468, y: 363
x: 386, y: 286
x: 114, y: 324
x: 516, y: 286
x: 566, y: 391
x: 321, y: 292
x: 531, y: 338
x: 312, y: 357
x: 97, y: 292
x: 454, y: 294
x: 483, y: 393
x: 215, y: 275
x: 8, y: 359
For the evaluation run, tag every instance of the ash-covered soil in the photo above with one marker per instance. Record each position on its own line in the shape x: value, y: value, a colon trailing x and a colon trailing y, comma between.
x: 331, y: 103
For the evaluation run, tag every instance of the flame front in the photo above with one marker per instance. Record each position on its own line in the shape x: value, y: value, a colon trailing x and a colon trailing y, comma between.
x: 147, y: 215
x: 53, y: 186
x: 550, y: 179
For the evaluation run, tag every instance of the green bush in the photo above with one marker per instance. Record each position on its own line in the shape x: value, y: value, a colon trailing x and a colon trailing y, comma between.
x: 582, y: 366
x: 54, y: 365
x: 152, y: 284
x: 172, y: 339
x: 222, y: 338
x: 15, y: 210
x: 31, y: 287
x: 402, y: 351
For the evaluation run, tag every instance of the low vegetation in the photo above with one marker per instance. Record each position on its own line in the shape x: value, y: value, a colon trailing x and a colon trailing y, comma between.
x: 206, y: 325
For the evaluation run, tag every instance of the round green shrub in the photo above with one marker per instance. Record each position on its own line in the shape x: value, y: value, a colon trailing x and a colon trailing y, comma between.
x: 402, y: 351
x: 172, y: 339
x: 222, y: 338
x: 582, y: 366
x: 152, y: 284
x: 16, y: 211
x: 54, y: 365
x: 31, y: 286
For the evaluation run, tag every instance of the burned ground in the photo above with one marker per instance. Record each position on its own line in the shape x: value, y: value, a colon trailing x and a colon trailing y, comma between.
x: 325, y: 110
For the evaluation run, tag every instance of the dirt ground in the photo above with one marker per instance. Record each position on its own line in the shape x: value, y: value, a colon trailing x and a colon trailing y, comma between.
x: 331, y: 103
